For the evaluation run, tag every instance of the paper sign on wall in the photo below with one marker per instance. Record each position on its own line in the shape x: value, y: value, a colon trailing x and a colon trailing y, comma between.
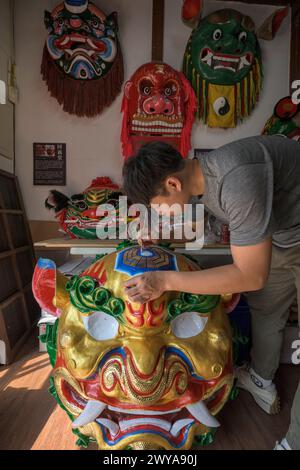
x: 49, y: 163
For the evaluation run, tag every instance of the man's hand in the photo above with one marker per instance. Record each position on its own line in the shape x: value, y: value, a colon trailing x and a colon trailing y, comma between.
x: 146, y: 243
x: 148, y: 286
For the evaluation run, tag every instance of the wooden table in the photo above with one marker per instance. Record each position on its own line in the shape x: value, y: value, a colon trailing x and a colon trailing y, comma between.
x: 95, y: 247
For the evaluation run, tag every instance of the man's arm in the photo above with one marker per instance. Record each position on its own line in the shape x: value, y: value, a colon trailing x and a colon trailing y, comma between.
x: 248, y: 272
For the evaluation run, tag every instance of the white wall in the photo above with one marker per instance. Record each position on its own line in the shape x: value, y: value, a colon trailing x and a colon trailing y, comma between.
x: 93, y: 145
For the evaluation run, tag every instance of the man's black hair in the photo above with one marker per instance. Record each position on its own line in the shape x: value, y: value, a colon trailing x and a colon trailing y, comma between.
x: 144, y: 173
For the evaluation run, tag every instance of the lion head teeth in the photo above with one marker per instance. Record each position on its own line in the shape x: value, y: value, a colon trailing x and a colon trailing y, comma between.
x: 92, y: 410
x: 110, y: 425
x: 200, y: 411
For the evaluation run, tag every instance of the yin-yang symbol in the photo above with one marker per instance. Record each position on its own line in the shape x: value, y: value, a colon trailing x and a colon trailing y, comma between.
x: 221, y: 106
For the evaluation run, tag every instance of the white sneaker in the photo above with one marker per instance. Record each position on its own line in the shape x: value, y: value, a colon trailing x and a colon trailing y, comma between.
x: 266, y: 397
x: 283, y: 445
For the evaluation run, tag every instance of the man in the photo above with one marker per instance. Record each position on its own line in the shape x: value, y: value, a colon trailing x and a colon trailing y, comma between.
x: 254, y: 186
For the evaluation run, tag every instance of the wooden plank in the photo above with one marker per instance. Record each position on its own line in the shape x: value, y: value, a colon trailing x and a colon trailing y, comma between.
x: 276, y: 3
x: 11, y: 211
x: 74, y: 242
x: 7, y: 204
x: 295, y: 42
x: 158, y: 30
x: 79, y: 243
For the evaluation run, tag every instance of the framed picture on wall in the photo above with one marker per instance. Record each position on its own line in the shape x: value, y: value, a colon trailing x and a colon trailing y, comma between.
x: 49, y: 164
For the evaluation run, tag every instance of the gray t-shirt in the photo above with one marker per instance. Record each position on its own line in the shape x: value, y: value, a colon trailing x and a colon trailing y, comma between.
x: 254, y: 185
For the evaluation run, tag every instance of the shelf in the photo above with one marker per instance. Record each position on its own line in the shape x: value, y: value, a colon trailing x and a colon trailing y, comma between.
x: 94, y: 247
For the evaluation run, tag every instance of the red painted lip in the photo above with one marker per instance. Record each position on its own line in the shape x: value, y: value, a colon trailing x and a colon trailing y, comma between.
x: 225, y: 60
x: 140, y: 428
x: 68, y: 40
x: 92, y: 390
x: 144, y: 428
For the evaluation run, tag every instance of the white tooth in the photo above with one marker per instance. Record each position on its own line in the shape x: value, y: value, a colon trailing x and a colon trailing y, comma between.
x: 209, y: 61
x: 92, y: 410
x: 129, y: 423
x: 208, y: 57
x: 109, y: 424
x: 90, y: 43
x: 244, y: 62
x: 200, y: 411
x: 217, y: 67
x: 226, y: 59
x: 65, y: 41
x: 142, y: 412
x: 78, y: 39
x: 178, y: 425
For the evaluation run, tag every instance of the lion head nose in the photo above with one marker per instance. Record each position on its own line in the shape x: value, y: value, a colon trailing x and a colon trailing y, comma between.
x: 147, y: 356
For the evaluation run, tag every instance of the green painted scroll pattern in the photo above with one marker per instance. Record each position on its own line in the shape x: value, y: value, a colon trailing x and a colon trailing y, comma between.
x: 86, y: 295
x: 192, y: 303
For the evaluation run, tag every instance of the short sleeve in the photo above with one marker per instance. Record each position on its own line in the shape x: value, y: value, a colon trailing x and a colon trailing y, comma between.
x: 246, y: 197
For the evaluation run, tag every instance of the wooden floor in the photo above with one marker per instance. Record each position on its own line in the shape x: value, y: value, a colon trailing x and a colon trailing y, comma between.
x: 30, y: 418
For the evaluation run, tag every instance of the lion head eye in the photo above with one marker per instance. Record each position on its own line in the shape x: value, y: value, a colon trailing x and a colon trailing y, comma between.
x: 188, y: 324
x: 101, y: 326
x: 217, y: 34
x: 146, y: 87
x: 243, y: 36
x: 146, y: 90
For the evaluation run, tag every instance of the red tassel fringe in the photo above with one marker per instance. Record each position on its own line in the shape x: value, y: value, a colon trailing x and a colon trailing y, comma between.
x: 83, y: 98
x: 190, y: 110
x: 125, y: 136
